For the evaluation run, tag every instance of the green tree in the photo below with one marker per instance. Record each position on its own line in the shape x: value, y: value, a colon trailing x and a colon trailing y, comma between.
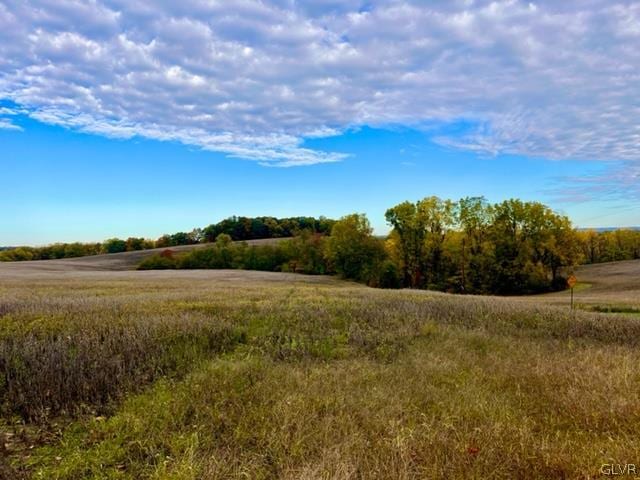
x: 135, y: 244
x: 305, y: 253
x: 352, y: 249
x: 421, y: 229
x: 532, y: 243
x: 476, y: 250
x: 439, y: 218
x: 114, y: 245
x: 223, y: 240
x: 410, y: 231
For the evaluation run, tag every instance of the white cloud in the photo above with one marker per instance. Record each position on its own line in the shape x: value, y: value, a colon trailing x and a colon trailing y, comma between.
x: 6, y: 124
x: 253, y: 79
x: 619, y: 181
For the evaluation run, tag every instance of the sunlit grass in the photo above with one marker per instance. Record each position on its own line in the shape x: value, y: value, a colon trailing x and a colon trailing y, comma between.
x: 253, y: 379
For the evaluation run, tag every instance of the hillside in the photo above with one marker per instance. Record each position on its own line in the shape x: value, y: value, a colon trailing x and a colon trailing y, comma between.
x: 97, y: 263
x: 236, y: 374
x: 600, y: 286
x: 614, y: 285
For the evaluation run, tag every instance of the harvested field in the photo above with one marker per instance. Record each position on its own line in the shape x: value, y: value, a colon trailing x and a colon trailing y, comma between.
x: 108, y: 262
x: 613, y: 286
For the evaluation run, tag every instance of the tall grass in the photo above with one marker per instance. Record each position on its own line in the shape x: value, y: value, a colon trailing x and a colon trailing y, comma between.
x: 71, y: 355
x: 60, y: 357
x: 313, y: 380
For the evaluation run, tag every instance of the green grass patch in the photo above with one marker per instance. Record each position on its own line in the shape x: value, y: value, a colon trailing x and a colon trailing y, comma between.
x: 582, y: 286
x: 624, y: 309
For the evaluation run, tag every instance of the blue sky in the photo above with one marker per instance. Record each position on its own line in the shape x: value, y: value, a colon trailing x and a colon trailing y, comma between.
x: 130, y: 119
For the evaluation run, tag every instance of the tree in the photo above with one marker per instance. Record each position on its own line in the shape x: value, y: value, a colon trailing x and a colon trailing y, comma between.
x: 134, y: 244
x: 476, y: 251
x: 560, y: 246
x: 531, y: 243
x: 223, y: 240
x: 352, y: 249
x: 590, y: 244
x: 410, y: 231
x: 305, y: 253
x: 421, y: 229
x: 163, y: 242
x: 438, y: 217
x: 114, y: 245
x: 17, y: 254
x: 180, y: 238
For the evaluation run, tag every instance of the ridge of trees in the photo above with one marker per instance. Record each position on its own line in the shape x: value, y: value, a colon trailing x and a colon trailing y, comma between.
x: 238, y: 228
x: 467, y: 246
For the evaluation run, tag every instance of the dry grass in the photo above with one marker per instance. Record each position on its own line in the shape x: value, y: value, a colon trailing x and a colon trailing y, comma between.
x: 258, y: 375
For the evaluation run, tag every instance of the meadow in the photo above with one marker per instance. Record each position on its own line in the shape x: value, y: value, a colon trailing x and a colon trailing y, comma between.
x: 237, y: 374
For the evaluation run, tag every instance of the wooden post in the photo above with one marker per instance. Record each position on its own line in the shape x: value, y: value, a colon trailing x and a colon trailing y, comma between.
x: 464, y: 281
x: 571, y: 282
x: 571, y: 298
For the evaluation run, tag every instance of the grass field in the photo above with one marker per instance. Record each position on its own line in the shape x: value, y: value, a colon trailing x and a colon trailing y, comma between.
x: 232, y: 374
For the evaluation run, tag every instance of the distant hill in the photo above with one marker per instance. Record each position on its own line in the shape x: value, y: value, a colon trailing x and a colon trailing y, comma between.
x: 611, y: 284
x: 607, y: 229
x: 105, y: 262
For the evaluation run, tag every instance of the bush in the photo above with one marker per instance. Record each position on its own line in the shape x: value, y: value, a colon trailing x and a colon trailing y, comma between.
x: 390, y: 276
x: 353, y: 251
x: 157, y: 262
x: 114, y: 245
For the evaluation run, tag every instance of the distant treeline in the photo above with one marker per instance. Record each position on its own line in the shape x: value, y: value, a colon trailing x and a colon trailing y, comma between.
x: 609, y: 246
x: 351, y: 251
x: 238, y: 228
x: 465, y: 246
x: 243, y: 228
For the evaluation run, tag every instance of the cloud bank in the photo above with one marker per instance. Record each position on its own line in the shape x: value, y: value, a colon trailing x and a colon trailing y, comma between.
x: 254, y: 79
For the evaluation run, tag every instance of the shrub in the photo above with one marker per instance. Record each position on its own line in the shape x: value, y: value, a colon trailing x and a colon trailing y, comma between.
x: 157, y: 262
x: 390, y: 276
x: 114, y: 245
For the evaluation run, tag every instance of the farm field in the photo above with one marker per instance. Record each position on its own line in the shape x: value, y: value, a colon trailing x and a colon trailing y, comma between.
x: 236, y: 374
x: 102, y: 263
x: 319, y: 240
x: 613, y: 286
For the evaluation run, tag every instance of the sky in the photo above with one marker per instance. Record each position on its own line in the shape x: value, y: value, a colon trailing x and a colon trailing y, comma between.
x: 136, y: 118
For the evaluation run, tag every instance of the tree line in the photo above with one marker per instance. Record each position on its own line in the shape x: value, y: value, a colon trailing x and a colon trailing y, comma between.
x: 609, y: 246
x: 468, y: 246
x: 238, y: 228
x: 245, y: 228
x: 476, y: 247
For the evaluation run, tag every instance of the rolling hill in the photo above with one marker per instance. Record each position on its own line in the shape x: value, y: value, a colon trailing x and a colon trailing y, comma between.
x: 100, y: 263
x: 214, y: 371
x: 611, y: 286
